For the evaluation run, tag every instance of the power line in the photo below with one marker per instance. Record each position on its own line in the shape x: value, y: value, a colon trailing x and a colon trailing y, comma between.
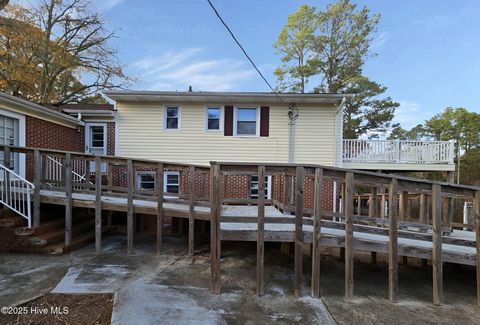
x: 243, y: 50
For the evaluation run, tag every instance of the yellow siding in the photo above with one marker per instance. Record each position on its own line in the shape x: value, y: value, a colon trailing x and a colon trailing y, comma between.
x: 315, y: 136
x: 141, y: 134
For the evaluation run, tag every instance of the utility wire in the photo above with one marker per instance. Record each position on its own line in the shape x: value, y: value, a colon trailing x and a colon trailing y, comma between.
x: 243, y: 50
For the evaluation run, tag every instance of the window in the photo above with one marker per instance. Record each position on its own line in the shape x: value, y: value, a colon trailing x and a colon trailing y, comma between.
x: 213, y: 118
x: 97, y: 134
x: 172, y: 182
x: 172, y: 118
x: 246, y: 121
x: 254, y: 187
x: 146, y: 181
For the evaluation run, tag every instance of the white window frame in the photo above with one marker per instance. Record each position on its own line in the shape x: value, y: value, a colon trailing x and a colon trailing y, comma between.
x: 20, y: 163
x: 179, y: 117
x: 165, y: 178
x: 257, y: 121
x: 269, y: 187
x: 88, y: 136
x: 139, y: 175
x: 220, y: 119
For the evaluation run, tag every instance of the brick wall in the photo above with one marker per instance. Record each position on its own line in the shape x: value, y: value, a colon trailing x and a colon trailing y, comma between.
x: 43, y: 134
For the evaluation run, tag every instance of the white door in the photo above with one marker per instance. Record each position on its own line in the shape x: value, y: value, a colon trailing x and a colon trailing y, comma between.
x: 9, y: 136
x: 96, y: 142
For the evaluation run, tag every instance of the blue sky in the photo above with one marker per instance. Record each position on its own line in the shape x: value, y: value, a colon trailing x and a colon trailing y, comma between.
x: 428, y: 51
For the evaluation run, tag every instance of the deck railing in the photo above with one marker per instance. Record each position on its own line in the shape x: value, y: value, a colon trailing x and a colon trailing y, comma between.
x: 398, y: 151
x: 389, y: 215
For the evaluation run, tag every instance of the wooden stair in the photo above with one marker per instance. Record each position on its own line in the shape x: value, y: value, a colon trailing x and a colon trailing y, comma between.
x: 49, y: 238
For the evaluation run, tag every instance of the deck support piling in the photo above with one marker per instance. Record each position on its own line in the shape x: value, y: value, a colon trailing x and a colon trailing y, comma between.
x: 37, y: 179
x: 191, y: 211
x: 130, y: 185
x: 215, y: 241
x: 476, y: 207
x: 317, y: 224
x: 68, y: 200
x: 349, y: 191
x: 298, y: 230
x: 159, y: 188
x: 98, y: 204
x: 372, y: 212
x: 261, y: 231
x: 393, y: 241
x: 437, y: 266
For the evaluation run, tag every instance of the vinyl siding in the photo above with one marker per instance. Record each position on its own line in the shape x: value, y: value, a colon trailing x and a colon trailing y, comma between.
x: 315, y: 136
x: 141, y: 134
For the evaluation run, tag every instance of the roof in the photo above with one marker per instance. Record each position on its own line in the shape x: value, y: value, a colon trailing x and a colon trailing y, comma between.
x: 82, y: 107
x: 39, y: 110
x: 224, y: 97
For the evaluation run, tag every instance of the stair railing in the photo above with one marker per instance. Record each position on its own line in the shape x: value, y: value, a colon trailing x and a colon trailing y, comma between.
x: 15, y: 193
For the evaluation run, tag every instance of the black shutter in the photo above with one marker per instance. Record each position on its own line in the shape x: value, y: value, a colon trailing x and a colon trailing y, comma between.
x: 264, y: 120
x: 228, y: 121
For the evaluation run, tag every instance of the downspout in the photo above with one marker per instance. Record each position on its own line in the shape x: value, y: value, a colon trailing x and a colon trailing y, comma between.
x: 339, y: 147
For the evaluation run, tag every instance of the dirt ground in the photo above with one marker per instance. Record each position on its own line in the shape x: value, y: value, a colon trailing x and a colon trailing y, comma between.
x: 174, y: 288
x: 62, y: 309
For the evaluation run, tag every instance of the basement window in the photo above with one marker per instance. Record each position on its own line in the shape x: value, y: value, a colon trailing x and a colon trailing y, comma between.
x: 171, y: 182
x: 254, y: 187
x: 172, y: 118
x: 246, y: 121
x: 146, y: 181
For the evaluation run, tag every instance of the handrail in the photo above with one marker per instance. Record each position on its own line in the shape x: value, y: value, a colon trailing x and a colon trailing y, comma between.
x: 15, y: 193
x: 398, y: 151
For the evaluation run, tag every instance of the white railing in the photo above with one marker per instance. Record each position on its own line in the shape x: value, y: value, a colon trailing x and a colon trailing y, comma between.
x: 15, y: 193
x: 398, y: 151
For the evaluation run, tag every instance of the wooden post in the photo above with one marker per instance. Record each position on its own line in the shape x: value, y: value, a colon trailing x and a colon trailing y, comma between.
x: 476, y: 208
x: 215, y: 241
x: 287, y: 190
x: 98, y: 204
x: 159, y: 188
x: 191, y: 211
x: 422, y: 208
x: 437, y: 266
x: 37, y: 179
x: 372, y: 212
x: 393, y: 241
x: 68, y: 201
x: 110, y: 185
x: 317, y: 224
x: 382, y: 205
x: 130, y: 187
x: 349, y: 191
x: 359, y: 204
x: 261, y: 231
x: 403, y: 206
x: 298, y: 231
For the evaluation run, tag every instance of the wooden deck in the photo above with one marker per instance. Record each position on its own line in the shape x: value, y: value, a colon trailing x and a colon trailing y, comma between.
x: 390, y: 226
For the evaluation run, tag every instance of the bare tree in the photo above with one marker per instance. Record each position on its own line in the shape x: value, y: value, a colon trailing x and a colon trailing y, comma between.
x: 74, y: 57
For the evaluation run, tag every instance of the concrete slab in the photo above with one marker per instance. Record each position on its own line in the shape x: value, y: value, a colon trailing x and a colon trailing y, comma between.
x: 174, y: 288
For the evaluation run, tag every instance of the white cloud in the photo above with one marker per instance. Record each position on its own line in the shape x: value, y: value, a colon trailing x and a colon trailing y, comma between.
x: 180, y: 69
x: 380, y: 40
x: 409, y: 114
x: 105, y: 5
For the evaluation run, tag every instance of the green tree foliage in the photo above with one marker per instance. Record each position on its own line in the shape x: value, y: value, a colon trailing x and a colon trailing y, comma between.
x: 331, y: 47
x: 56, y: 52
x: 294, y: 44
x: 456, y: 124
